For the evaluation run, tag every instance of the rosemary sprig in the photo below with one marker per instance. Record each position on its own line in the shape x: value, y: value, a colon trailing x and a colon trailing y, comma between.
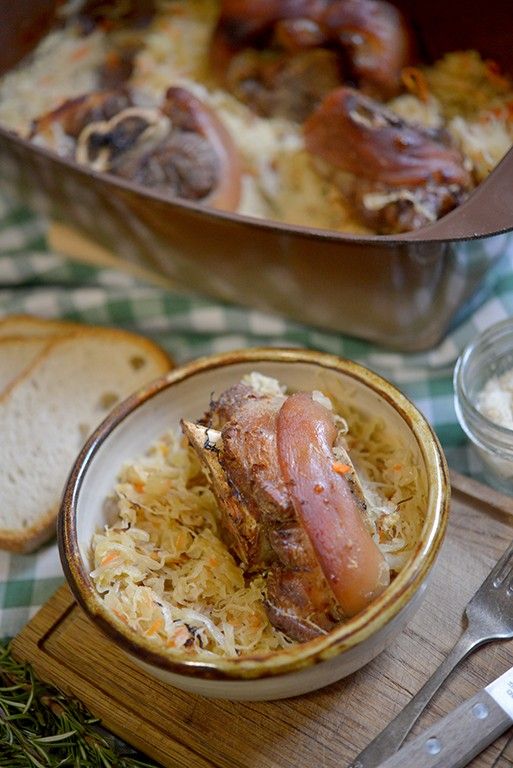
x: 40, y: 727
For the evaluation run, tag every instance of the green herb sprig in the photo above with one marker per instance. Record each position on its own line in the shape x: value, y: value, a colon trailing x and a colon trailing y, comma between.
x: 40, y: 727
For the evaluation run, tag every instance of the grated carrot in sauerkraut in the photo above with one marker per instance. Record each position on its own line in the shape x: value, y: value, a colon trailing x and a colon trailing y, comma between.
x: 163, y: 569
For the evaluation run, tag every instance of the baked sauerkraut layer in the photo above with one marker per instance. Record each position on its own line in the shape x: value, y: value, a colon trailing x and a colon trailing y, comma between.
x: 462, y: 94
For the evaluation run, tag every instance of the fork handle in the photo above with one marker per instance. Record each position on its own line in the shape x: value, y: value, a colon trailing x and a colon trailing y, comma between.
x: 390, y: 739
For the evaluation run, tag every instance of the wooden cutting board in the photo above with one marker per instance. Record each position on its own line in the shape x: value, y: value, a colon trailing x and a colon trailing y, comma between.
x: 326, y: 728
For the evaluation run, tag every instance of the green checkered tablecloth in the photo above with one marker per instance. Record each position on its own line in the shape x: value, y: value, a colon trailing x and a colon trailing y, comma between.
x: 37, y: 281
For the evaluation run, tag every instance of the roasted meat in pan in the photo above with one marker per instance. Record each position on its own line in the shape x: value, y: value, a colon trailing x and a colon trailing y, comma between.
x: 397, y: 175
x: 283, y: 85
x: 281, y: 58
x: 375, y: 42
x: 286, y: 511
x: 179, y: 148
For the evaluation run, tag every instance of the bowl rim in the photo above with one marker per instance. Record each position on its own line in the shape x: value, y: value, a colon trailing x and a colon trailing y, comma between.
x: 301, y: 655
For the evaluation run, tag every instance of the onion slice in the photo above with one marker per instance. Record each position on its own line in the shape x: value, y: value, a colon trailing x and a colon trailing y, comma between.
x: 351, y: 561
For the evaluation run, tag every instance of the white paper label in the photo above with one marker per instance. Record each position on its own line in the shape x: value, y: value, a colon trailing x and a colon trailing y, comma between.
x: 501, y: 691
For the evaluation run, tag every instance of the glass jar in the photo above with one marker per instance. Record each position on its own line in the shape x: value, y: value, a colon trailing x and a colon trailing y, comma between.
x: 489, y: 355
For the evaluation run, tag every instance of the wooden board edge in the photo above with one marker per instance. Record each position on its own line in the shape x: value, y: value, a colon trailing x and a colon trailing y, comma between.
x: 481, y: 493
x: 28, y: 641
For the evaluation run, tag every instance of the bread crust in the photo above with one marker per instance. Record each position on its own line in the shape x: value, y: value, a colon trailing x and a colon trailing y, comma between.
x: 19, y: 343
x: 31, y: 325
x: 30, y: 538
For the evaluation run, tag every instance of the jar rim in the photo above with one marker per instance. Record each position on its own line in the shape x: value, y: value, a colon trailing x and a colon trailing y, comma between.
x: 503, y: 435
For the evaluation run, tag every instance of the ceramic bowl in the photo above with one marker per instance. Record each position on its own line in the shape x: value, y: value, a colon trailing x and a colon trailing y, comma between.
x: 184, y: 393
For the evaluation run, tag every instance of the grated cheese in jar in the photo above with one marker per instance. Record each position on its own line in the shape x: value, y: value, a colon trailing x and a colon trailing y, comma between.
x: 483, y: 400
x: 495, y: 401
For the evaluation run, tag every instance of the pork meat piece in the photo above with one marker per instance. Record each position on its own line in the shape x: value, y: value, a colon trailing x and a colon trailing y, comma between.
x: 238, y: 446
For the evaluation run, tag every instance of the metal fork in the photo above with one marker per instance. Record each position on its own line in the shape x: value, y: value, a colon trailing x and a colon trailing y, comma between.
x: 489, y: 615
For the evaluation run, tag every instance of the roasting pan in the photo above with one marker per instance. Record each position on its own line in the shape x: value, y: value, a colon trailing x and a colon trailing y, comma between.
x: 401, y: 292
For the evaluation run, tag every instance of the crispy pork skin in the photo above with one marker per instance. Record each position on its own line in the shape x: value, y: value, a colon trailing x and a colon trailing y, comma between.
x: 397, y: 175
x: 328, y: 509
x: 264, y: 479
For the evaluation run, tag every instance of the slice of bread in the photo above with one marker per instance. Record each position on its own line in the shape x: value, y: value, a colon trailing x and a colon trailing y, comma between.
x: 47, y: 413
x: 17, y: 353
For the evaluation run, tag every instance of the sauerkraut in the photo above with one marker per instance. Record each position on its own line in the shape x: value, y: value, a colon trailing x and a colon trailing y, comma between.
x: 161, y: 565
x: 461, y: 92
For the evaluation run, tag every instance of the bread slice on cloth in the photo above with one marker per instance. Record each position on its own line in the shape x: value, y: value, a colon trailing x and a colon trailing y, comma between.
x: 24, y: 337
x: 47, y: 413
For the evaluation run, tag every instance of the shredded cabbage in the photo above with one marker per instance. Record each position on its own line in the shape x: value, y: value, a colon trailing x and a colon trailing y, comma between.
x: 163, y: 569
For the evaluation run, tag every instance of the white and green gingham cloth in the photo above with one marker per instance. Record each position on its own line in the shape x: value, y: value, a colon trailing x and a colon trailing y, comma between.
x: 34, y: 280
